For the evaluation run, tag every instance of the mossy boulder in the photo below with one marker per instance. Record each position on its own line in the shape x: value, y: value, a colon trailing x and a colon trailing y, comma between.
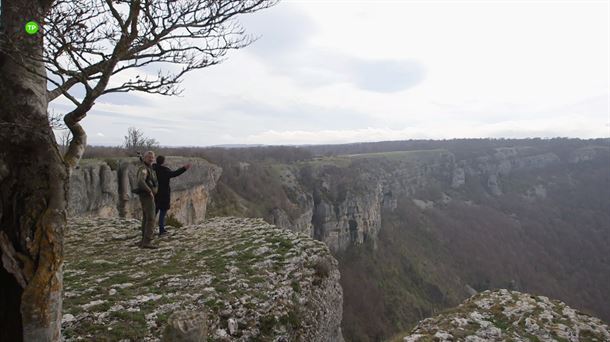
x: 505, y: 315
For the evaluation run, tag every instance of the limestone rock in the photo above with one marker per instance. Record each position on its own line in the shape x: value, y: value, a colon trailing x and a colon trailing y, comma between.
x: 493, y: 185
x: 588, y: 153
x: 351, y: 221
x: 93, y: 189
x: 185, y: 326
x: 103, y: 188
x: 348, y: 200
x: 505, y: 315
x: 459, y: 178
x: 302, y: 199
x: 421, y: 204
x: 232, y: 323
x: 252, y: 280
x: 537, y: 191
x: 68, y: 318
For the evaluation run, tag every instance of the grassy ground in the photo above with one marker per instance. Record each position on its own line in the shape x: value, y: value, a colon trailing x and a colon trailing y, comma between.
x: 227, y: 267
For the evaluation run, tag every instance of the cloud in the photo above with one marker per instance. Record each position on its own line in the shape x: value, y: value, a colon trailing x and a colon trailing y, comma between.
x: 285, y: 47
x: 280, y: 30
x: 387, y: 76
x: 325, y: 72
x: 301, y: 137
x: 315, y: 68
x: 302, y: 115
x: 132, y: 99
x: 128, y: 115
x: 567, y: 125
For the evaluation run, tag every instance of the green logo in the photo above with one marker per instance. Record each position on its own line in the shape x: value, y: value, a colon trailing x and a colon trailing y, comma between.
x: 31, y: 27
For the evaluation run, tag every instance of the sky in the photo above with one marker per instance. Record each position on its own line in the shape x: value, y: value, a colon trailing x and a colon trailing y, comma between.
x: 353, y: 71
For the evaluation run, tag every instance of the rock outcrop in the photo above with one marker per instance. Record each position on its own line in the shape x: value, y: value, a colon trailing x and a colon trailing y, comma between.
x: 505, y: 161
x: 341, y: 198
x: 588, y: 153
x: 103, y: 188
x: 94, y: 189
x: 510, y: 316
x: 343, y: 205
x: 252, y: 280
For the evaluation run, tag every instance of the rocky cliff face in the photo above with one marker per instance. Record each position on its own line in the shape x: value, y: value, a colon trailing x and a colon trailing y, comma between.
x: 94, y: 190
x: 342, y: 203
x: 228, y: 279
x: 103, y: 188
x: 504, y: 162
x: 510, y: 316
x: 341, y: 198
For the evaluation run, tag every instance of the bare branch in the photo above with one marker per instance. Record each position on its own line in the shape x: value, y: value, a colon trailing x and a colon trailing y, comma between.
x: 56, y: 120
x: 76, y: 149
x: 90, y: 41
x: 194, y: 33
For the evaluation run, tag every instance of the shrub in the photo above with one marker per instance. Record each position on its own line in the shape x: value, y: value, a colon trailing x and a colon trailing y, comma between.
x: 113, y: 163
x: 171, y: 220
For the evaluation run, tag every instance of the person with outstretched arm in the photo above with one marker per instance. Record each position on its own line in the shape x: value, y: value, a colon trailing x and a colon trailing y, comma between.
x: 162, y: 198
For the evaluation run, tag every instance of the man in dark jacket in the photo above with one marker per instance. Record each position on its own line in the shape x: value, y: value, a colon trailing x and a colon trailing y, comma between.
x: 162, y: 198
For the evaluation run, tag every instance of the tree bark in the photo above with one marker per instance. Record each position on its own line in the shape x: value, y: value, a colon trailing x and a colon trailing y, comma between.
x: 33, y: 183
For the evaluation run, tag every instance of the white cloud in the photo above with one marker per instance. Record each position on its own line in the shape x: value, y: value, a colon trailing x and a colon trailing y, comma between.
x: 558, y: 127
x: 340, y: 71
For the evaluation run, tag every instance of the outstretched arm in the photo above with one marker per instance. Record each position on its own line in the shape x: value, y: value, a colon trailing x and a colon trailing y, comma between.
x: 177, y: 172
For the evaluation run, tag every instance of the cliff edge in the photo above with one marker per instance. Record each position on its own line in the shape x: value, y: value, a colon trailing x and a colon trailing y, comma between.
x: 243, y: 279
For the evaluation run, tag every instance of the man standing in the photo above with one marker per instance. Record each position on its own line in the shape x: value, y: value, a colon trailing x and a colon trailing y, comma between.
x: 147, y: 188
x: 162, y: 199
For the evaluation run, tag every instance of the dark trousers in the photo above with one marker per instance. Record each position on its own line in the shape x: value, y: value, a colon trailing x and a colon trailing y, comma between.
x: 148, y: 218
x: 161, y: 219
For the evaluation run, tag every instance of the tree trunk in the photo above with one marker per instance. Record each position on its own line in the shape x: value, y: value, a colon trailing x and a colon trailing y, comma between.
x: 33, y: 183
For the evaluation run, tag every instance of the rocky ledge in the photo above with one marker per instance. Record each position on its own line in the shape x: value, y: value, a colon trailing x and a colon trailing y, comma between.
x: 102, y: 188
x: 224, y: 280
x: 510, y: 316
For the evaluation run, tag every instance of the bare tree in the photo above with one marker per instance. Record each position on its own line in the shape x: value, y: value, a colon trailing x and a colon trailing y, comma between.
x: 64, y: 140
x: 90, y: 48
x: 90, y: 41
x: 56, y: 120
x: 135, y: 140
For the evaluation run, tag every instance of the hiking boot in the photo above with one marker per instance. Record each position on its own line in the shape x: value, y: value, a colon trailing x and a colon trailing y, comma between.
x: 164, y: 233
x: 148, y: 246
